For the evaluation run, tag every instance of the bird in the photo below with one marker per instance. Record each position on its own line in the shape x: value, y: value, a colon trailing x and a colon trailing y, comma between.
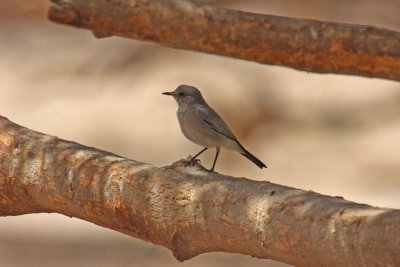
x: 202, y: 125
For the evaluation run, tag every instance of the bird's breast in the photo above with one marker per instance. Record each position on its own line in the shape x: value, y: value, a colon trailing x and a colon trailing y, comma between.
x: 186, y: 122
x: 193, y: 128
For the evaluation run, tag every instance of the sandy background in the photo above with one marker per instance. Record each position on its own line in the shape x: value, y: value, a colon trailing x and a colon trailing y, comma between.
x: 333, y: 134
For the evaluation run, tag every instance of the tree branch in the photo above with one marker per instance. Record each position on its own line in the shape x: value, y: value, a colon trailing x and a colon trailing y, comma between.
x: 188, y: 210
x: 309, y: 45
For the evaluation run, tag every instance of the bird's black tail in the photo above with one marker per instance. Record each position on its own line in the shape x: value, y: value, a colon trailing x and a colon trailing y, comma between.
x: 255, y: 160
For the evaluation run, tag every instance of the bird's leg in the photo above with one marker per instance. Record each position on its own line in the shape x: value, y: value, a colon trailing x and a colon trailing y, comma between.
x: 198, y: 154
x: 215, y: 160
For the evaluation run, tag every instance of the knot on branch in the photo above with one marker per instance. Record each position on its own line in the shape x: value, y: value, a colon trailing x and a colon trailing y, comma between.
x: 180, y: 249
x: 102, y: 33
x: 63, y: 12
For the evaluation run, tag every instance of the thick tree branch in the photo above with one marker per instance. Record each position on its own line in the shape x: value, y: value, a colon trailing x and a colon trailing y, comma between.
x: 310, y: 45
x: 188, y: 210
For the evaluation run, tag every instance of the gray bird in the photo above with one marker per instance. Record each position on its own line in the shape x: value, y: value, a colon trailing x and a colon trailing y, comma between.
x: 203, y: 126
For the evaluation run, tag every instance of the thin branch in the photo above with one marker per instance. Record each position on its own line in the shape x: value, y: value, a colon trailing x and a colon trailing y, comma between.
x: 309, y: 45
x: 188, y: 210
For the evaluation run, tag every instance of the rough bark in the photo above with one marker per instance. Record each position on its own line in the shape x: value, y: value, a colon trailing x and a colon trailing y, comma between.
x: 189, y: 210
x: 309, y: 45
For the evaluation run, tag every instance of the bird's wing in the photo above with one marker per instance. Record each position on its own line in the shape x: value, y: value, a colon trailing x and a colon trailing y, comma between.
x: 209, y: 117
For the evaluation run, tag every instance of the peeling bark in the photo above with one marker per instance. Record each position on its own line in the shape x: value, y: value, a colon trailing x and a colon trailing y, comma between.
x: 189, y: 210
x: 309, y: 45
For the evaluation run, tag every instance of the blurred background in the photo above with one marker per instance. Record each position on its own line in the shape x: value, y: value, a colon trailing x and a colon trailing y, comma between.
x: 333, y: 134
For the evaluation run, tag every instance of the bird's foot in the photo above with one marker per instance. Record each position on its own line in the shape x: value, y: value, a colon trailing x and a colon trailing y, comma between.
x: 192, y: 162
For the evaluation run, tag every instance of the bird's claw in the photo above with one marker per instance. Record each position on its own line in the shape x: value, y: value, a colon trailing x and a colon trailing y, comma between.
x: 191, y: 162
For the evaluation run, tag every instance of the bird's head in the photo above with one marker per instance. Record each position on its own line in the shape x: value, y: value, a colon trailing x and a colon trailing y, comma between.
x: 185, y: 94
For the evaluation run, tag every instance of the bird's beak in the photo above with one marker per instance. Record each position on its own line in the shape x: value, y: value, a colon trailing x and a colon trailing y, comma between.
x: 167, y: 93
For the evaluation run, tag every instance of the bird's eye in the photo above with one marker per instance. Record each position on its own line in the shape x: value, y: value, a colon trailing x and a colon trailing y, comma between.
x: 181, y: 94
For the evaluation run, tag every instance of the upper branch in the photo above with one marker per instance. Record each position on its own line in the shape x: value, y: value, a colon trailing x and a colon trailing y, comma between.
x: 188, y: 210
x: 310, y: 45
